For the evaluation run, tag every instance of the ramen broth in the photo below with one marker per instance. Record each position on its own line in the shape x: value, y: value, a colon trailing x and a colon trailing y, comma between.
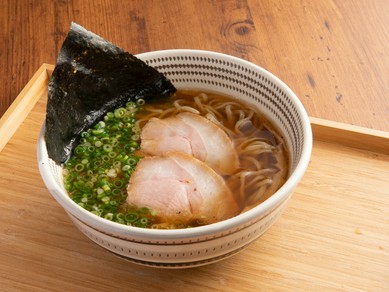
x: 262, y: 156
x: 262, y: 151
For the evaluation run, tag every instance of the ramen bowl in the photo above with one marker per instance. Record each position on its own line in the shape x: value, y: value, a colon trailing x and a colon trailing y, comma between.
x: 190, y: 247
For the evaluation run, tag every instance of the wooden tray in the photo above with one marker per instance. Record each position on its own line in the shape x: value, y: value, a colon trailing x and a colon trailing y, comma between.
x: 333, y: 236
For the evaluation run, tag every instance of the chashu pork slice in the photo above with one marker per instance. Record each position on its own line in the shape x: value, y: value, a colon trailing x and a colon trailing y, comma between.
x: 179, y: 186
x: 191, y: 134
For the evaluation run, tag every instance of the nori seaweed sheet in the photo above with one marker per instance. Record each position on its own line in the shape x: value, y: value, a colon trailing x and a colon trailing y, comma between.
x: 92, y: 76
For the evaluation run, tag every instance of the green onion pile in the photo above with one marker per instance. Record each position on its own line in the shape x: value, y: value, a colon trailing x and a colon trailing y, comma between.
x: 97, y: 174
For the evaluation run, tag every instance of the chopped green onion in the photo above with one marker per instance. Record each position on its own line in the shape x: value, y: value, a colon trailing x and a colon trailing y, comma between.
x: 107, y: 148
x: 112, y: 173
x: 120, y: 112
x: 108, y: 216
x: 131, y: 217
x: 79, y: 167
x: 89, y: 184
x: 118, y: 184
x: 112, y: 154
x: 126, y: 167
x: 130, y: 105
x: 106, y: 188
x: 98, y: 132
x: 140, y: 101
x: 143, y: 221
x: 120, y: 216
x: 97, y: 174
x: 105, y: 199
x: 131, y: 161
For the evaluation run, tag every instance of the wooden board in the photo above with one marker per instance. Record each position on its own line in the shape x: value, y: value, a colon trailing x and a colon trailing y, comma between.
x: 333, y: 236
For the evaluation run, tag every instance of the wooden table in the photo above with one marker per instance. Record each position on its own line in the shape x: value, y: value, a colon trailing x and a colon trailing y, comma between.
x: 334, y: 236
x: 333, y: 54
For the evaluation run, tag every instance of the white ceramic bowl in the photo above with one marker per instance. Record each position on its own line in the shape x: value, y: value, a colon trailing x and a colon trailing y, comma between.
x: 209, y: 71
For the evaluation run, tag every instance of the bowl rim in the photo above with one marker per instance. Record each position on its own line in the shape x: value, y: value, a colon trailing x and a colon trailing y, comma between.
x: 239, y: 220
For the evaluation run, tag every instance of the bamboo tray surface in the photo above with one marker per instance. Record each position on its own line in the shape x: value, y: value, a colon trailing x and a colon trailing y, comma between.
x: 333, y: 236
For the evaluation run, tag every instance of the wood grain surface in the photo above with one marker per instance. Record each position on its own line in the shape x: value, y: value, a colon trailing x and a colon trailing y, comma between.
x: 334, y: 54
x: 333, y: 236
